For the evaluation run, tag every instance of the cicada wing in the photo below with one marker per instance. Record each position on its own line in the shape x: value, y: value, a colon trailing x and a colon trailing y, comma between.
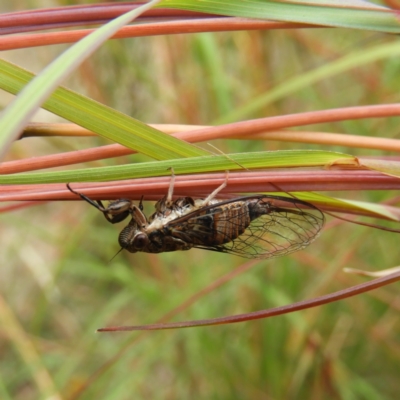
x: 276, y: 234
x: 254, y: 227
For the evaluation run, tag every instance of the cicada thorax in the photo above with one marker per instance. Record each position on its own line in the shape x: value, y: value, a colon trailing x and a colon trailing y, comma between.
x: 147, y: 235
x: 218, y: 225
x: 168, y: 211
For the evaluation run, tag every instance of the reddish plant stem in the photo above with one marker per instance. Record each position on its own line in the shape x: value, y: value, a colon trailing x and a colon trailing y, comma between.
x: 220, y: 24
x: 202, y: 184
x: 46, y: 18
x: 301, y: 305
x: 237, y: 129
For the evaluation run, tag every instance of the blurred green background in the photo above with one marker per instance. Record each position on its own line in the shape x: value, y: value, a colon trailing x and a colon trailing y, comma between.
x: 58, y: 285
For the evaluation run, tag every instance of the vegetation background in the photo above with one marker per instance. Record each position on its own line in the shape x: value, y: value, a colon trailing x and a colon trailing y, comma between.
x: 58, y: 284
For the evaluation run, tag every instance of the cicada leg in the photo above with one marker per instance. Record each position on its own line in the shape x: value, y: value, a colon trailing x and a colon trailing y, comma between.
x: 170, y: 193
x: 211, y: 196
x: 115, y: 212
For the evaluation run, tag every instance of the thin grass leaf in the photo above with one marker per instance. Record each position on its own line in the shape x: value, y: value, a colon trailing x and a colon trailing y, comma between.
x: 276, y: 159
x: 349, y: 14
x: 79, y: 109
x: 26, y: 349
x: 306, y: 79
x: 373, y: 274
x: 101, y: 119
x: 347, y: 205
x: 21, y: 109
x: 388, y: 167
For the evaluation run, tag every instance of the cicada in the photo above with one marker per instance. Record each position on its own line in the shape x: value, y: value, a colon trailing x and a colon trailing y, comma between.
x: 257, y: 226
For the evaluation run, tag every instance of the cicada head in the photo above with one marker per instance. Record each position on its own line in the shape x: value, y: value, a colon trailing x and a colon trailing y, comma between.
x: 132, y: 237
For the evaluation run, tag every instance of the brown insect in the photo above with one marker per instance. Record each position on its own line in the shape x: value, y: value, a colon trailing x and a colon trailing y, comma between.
x: 257, y: 226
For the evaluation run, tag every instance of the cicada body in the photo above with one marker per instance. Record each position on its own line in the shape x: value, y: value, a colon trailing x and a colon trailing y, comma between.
x: 258, y: 226
x: 251, y: 227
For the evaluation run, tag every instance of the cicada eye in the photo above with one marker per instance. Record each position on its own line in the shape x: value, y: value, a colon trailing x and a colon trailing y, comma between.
x: 140, y: 241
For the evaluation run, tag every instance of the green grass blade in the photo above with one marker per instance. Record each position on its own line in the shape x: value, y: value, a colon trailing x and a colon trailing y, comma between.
x: 101, y: 119
x: 388, y: 167
x: 349, y: 14
x: 293, y: 85
x: 347, y: 205
x: 33, y: 93
x: 19, y: 111
x: 273, y: 159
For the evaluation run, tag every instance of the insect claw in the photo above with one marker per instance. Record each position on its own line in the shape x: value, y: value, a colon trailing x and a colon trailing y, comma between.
x: 115, y: 212
x: 171, y: 188
x: 217, y: 190
x: 141, y: 203
x: 83, y: 197
x: 72, y: 190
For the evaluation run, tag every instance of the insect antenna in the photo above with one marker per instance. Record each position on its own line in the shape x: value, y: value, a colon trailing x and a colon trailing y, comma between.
x: 115, y: 255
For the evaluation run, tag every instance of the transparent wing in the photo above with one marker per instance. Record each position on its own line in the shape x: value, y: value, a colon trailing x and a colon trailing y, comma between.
x: 253, y: 227
x: 276, y: 234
